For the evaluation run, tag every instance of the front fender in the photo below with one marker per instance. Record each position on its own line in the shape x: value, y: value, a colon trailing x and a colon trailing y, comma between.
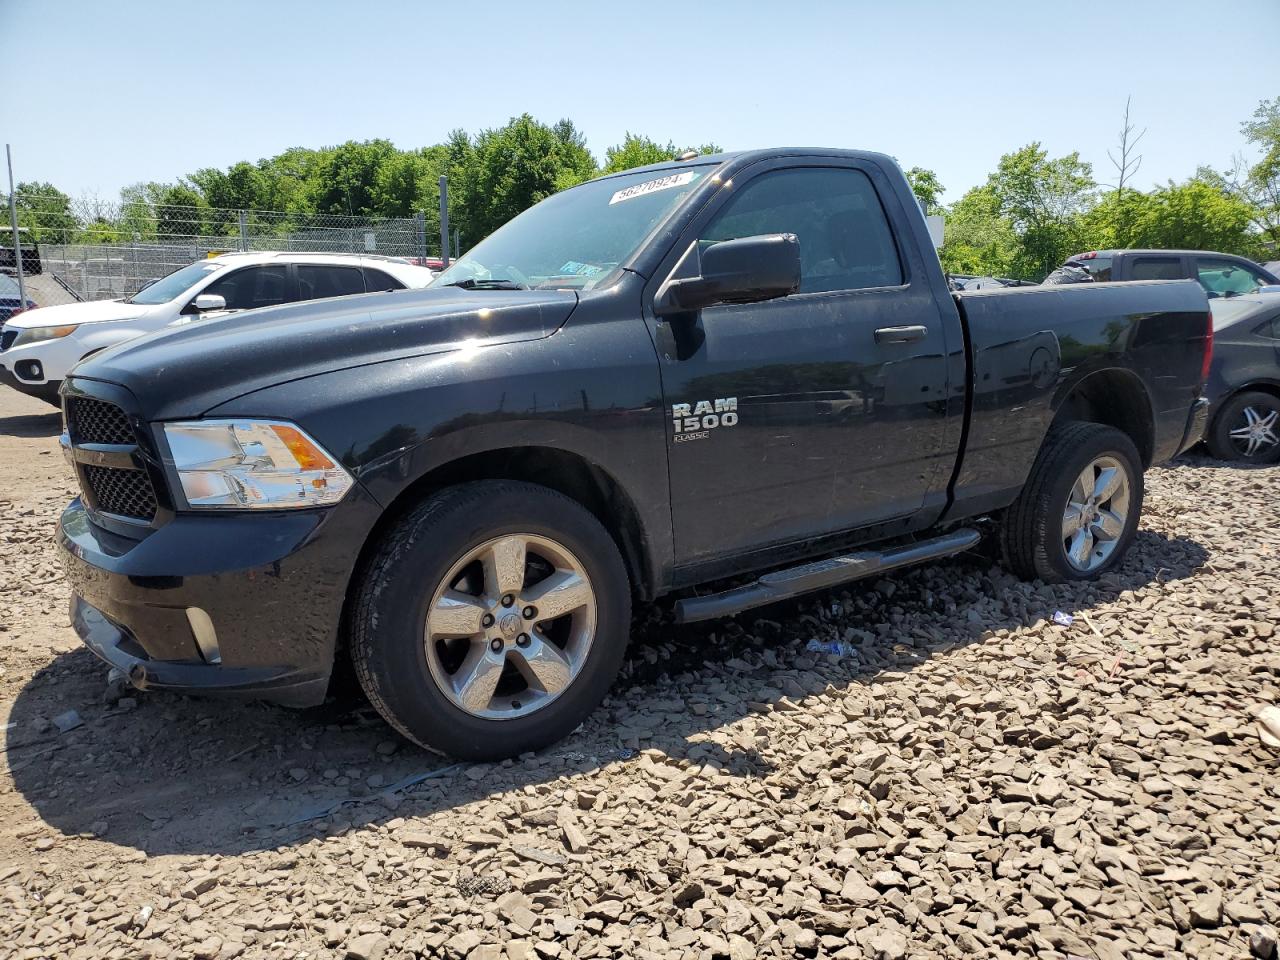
x: 590, y: 389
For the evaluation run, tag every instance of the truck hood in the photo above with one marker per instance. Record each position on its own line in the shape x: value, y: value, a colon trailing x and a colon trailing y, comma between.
x: 183, y: 371
x: 94, y: 311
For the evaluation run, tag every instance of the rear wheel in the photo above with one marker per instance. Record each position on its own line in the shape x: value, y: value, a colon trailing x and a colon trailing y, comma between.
x: 1247, y: 429
x: 1079, y: 510
x: 492, y: 620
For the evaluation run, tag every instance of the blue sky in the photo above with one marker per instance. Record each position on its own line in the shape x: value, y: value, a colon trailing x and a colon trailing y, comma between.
x: 131, y: 90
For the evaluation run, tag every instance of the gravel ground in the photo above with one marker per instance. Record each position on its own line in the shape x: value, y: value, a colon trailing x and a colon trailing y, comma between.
x: 964, y: 777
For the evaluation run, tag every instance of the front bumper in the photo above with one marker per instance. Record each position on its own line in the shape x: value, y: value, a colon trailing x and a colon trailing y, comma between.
x: 237, y: 604
x: 46, y: 390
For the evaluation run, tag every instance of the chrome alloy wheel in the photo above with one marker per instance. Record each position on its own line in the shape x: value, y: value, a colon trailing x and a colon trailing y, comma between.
x: 1096, y: 513
x: 1257, y: 432
x: 509, y: 628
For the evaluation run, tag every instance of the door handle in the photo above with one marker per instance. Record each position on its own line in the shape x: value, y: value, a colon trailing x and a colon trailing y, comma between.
x: 901, y: 334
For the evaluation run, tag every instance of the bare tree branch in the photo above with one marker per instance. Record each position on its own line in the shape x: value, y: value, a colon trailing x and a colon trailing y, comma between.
x: 1128, y: 165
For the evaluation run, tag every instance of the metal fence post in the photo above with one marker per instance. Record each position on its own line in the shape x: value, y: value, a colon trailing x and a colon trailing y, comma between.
x: 244, y: 232
x: 17, y: 242
x: 457, y: 243
x: 444, y: 220
x: 420, y: 230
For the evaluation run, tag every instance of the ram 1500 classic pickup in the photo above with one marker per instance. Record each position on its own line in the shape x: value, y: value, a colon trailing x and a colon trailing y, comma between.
x: 743, y: 373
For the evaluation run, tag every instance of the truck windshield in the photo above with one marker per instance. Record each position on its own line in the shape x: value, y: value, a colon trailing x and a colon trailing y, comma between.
x: 575, y: 238
x: 175, y: 284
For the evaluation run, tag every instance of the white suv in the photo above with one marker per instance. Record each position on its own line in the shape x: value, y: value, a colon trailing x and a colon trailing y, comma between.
x: 39, y: 347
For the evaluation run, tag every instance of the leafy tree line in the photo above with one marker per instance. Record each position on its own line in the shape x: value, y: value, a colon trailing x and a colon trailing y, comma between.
x: 493, y: 175
x: 1032, y: 212
x: 1035, y: 210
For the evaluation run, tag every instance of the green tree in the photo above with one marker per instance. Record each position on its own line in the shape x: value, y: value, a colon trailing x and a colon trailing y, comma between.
x: 927, y: 188
x: 409, y: 182
x: 509, y: 169
x: 1109, y: 223
x: 45, y: 211
x: 345, y: 181
x: 1260, y: 183
x: 136, y: 220
x: 1044, y: 199
x: 181, y: 212
x: 239, y: 187
x: 637, y: 151
x: 99, y: 229
x: 575, y: 160
x: 1195, y: 216
x: 978, y: 237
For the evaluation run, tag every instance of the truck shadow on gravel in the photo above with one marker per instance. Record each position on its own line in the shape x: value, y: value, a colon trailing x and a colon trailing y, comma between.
x: 32, y: 425
x: 164, y: 774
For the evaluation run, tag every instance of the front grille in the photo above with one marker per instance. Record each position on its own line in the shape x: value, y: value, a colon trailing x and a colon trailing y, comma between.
x: 6, y: 339
x: 96, y: 421
x: 126, y: 493
x: 116, y: 489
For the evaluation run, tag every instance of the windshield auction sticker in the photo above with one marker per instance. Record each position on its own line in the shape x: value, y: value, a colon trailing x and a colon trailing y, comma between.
x: 653, y: 186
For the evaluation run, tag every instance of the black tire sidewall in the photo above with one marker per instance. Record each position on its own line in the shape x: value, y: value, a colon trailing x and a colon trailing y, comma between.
x: 1102, y: 442
x: 1220, y: 444
x: 453, y: 523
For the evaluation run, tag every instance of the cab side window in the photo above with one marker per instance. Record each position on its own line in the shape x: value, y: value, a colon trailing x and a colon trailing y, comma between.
x: 1227, y: 278
x: 253, y: 287
x: 375, y: 280
x: 1157, y: 268
x: 317, y: 281
x: 845, y: 239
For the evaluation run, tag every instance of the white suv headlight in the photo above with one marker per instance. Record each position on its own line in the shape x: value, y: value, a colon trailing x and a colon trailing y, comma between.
x: 267, y: 464
x: 40, y: 334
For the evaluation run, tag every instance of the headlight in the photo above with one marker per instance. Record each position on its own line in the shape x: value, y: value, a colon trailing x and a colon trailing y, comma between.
x: 37, y: 334
x: 253, y: 463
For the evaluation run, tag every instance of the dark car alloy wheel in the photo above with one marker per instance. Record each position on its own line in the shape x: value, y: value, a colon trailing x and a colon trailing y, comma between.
x: 1247, y: 429
x: 1256, y: 430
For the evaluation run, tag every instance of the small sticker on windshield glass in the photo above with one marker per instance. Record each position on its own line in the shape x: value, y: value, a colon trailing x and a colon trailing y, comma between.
x: 572, y: 268
x: 652, y: 186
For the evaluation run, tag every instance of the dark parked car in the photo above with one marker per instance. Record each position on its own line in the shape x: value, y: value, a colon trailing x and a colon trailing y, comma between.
x: 10, y: 301
x: 743, y: 364
x: 31, y: 262
x: 1221, y: 274
x: 1244, y: 380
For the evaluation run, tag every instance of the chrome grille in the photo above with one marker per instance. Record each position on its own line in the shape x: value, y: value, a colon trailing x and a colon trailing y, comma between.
x: 126, y: 493
x: 96, y: 421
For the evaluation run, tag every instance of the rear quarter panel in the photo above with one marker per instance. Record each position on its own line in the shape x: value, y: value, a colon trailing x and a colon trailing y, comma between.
x: 1031, y: 346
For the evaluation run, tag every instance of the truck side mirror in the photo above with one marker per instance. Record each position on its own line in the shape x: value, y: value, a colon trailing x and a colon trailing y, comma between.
x: 745, y: 270
x: 210, y: 301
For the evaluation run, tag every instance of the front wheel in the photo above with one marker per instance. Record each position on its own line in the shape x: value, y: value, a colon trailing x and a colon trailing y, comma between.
x: 1079, y: 510
x: 1248, y: 429
x: 492, y: 620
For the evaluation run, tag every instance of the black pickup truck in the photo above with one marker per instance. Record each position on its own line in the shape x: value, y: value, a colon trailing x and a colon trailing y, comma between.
x: 742, y: 373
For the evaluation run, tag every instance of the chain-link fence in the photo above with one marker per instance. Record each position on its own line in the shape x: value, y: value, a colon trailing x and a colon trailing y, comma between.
x: 87, y: 249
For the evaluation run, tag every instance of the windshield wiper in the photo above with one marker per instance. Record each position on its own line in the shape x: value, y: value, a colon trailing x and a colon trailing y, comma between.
x: 493, y: 283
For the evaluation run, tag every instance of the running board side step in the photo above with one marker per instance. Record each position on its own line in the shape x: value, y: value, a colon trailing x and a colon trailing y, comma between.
x: 821, y: 574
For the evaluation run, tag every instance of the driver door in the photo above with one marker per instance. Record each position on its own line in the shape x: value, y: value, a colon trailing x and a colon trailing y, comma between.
x: 795, y: 418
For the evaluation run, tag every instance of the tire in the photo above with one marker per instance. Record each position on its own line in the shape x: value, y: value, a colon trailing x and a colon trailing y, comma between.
x: 524, y: 695
x: 1036, y: 530
x: 1250, y: 410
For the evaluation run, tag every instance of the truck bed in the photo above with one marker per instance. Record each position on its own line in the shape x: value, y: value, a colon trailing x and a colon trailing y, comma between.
x: 1029, y: 348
